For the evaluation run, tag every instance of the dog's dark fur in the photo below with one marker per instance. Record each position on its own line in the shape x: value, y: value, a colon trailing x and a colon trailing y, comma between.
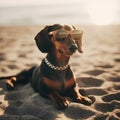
x: 50, y: 83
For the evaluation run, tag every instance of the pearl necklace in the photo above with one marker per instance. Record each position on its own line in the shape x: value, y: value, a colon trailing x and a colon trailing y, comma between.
x: 55, y: 67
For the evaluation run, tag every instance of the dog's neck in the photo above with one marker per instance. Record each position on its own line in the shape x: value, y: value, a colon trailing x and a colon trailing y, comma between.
x: 58, y: 59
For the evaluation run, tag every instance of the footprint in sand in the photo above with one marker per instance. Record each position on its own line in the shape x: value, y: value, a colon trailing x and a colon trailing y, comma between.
x: 107, y: 107
x: 2, y: 57
x: 28, y: 44
x: 95, y: 72
x: 114, y: 79
x: 93, y: 91
x: 117, y: 59
x: 100, y: 117
x: 1, y: 39
x: 23, y: 44
x: 89, y: 82
x: 116, y: 53
x: 22, y: 55
x: 104, y: 66
x: 110, y: 97
x: 104, y: 107
x: 116, y: 86
x: 3, y: 69
x: 12, y: 66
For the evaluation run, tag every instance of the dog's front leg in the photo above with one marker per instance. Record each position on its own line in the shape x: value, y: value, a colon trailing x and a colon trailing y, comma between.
x: 77, y: 97
x: 58, y: 101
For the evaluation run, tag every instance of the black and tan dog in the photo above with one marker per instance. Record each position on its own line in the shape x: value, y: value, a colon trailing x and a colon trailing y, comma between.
x: 54, y: 78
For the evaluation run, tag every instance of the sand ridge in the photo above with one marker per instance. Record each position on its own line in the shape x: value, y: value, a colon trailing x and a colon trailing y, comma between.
x: 97, y: 73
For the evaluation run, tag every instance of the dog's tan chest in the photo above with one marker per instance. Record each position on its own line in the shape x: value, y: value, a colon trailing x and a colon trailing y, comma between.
x: 59, y: 85
x: 69, y: 83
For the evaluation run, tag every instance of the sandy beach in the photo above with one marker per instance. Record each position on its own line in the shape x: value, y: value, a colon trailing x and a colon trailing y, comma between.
x: 97, y: 73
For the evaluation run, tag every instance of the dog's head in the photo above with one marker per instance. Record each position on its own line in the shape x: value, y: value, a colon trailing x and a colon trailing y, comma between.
x: 63, y: 38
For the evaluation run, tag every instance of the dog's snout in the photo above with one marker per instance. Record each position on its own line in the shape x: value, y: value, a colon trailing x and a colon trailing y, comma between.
x: 73, y: 48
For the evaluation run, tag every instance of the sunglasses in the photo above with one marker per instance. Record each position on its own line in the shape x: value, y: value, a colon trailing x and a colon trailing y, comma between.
x: 61, y: 35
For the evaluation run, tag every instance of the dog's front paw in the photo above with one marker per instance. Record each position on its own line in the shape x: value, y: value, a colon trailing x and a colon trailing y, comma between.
x: 61, y: 103
x: 83, y: 100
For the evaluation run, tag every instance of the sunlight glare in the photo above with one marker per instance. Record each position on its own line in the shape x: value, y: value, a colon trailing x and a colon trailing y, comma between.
x: 102, y: 12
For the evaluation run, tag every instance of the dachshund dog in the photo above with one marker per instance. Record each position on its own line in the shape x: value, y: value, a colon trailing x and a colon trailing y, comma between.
x: 54, y: 78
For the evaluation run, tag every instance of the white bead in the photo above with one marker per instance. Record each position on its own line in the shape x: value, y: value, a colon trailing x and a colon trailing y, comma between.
x: 55, y: 67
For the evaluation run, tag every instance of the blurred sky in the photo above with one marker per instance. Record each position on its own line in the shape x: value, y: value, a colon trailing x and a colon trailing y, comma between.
x: 101, y: 12
x: 35, y: 2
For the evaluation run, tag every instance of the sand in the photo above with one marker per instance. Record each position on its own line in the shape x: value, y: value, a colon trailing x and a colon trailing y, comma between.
x: 97, y: 71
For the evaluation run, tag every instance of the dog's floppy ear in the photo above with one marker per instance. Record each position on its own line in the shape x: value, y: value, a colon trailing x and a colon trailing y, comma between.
x: 79, y: 43
x: 43, y: 40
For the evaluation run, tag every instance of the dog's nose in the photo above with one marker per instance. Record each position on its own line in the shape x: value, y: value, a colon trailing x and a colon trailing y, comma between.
x: 73, y: 48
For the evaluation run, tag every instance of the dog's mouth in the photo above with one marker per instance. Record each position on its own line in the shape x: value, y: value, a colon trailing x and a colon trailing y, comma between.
x: 66, y: 53
x: 60, y: 51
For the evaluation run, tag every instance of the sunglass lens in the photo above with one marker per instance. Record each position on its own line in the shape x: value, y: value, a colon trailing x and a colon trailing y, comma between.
x: 60, y: 35
x: 77, y: 34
